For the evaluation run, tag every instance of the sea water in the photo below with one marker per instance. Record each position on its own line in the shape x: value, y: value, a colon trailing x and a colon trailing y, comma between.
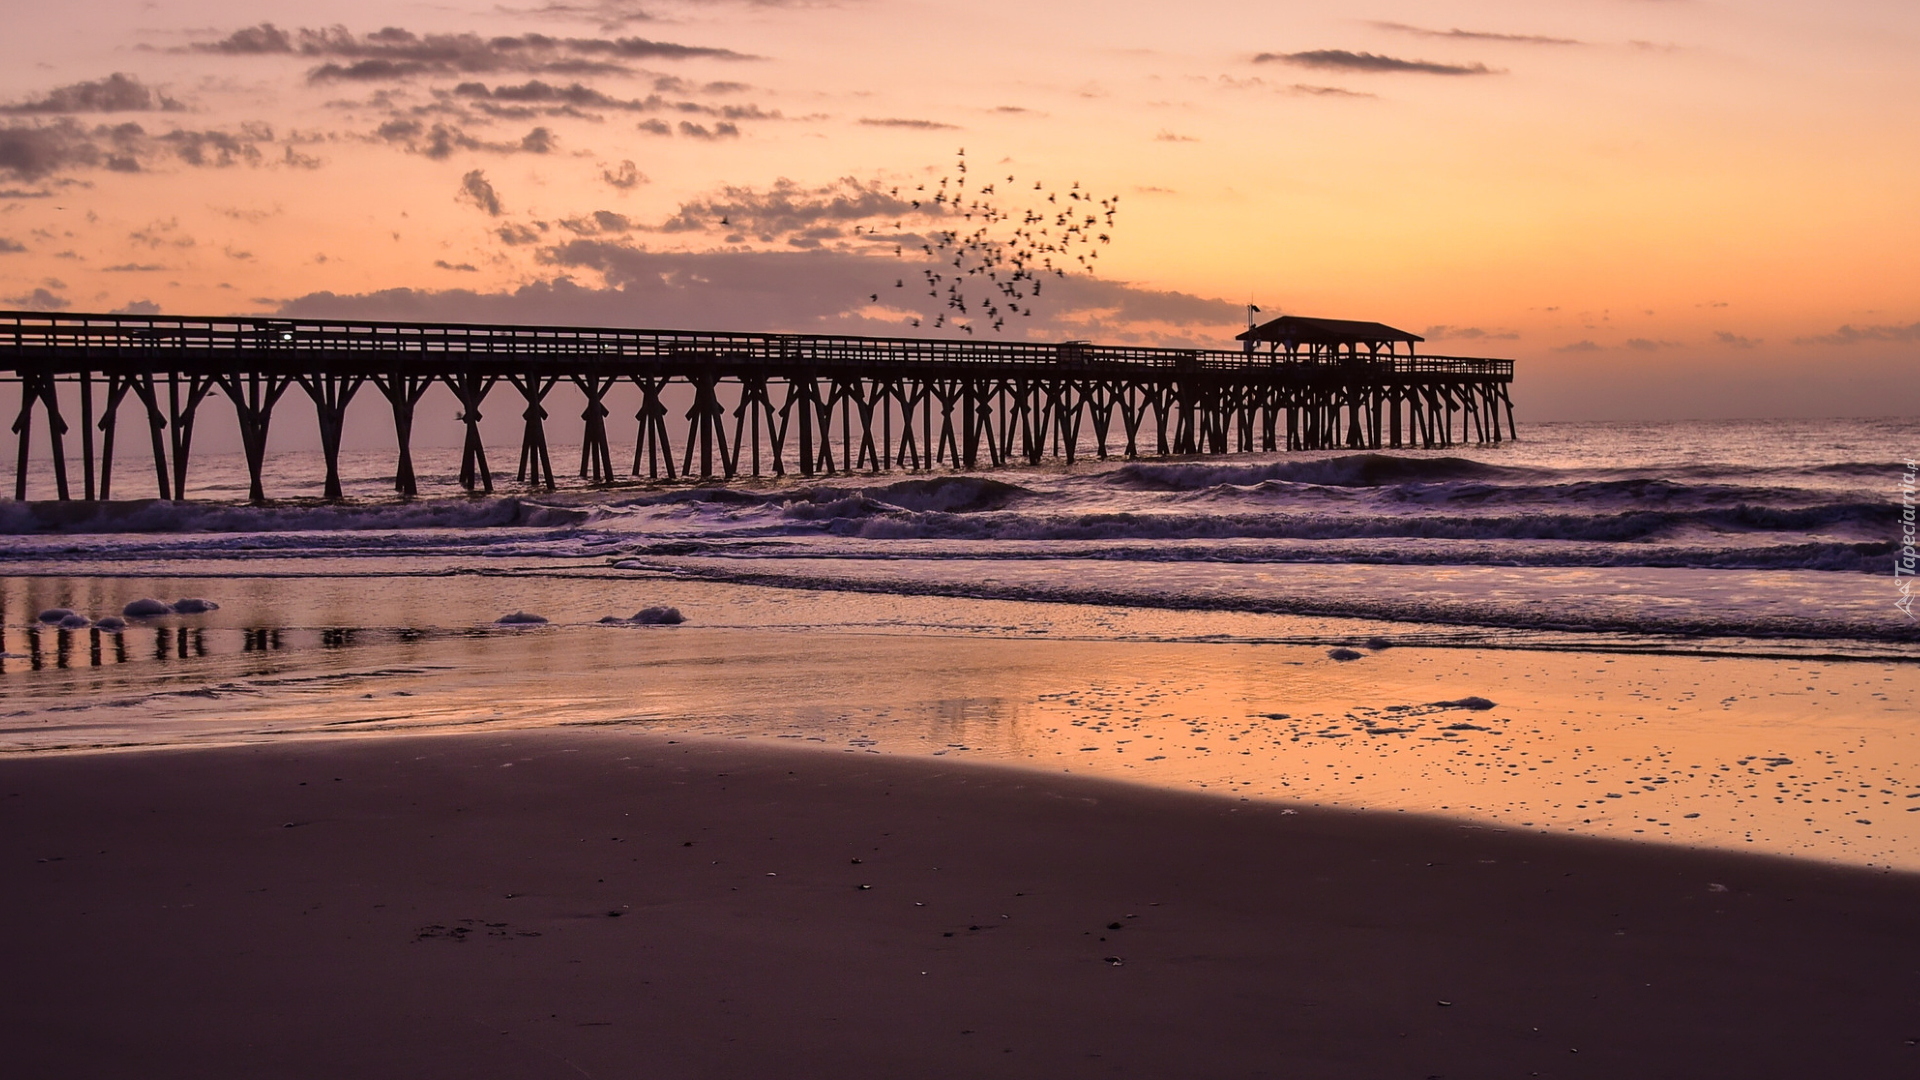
x: 1687, y: 631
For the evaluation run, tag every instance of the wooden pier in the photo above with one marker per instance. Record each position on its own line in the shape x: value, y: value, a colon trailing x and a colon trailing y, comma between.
x: 761, y: 404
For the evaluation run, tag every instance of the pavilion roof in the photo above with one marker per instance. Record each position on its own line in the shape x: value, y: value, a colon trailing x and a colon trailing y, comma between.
x: 1299, y: 330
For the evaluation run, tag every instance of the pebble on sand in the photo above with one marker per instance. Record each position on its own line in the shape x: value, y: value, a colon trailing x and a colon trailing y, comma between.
x: 146, y: 608
x: 659, y: 616
x: 1343, y: 654
x: 521, y: 618
x: 193, y: 606
x: 55, y: 614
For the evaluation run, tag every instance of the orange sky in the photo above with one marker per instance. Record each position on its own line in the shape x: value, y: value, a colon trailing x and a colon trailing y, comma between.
x: 1661, y: 207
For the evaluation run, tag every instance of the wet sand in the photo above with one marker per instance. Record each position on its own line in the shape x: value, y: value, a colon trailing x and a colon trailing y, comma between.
x: 612, y: 903
x: 1804, y: 757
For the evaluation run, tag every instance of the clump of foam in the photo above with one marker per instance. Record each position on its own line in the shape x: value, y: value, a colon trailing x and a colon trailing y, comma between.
x: 659, y: 616
x: 194, y: 606
x: 1465, y: 703
x: 1343, y: 654
x: 74, y: 621
x: 146, y: 608
x: 55, y: 614
x: 521, y: 618
x: 112, y: 624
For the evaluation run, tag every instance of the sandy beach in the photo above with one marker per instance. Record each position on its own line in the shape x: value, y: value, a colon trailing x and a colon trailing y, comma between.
x: 611, y: 903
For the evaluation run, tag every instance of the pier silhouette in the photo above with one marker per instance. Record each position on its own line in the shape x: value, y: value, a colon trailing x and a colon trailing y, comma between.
x: 761, y: 404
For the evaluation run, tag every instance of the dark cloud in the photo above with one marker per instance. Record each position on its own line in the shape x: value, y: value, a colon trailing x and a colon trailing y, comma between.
x: 475, y: 189
x: 1342, y: 60
x: 32, y: 151
x: 1735, y: 341
x: 626, y: 176
x: 1476, y: 35
x: 218, y: 148
x: 1854, y: 335
x: 465, y: 268
x: 539, y: 98
x: 721, y: 130
x: 521, y: 235
x: 598, y: 223
x: 1578, y: 347
x: 137, y: 307
x: 395, y: 53
x: 782, y: 292
x: 38, y: 300
x: 787, y: 209
x: 133, y: 268
x: 440, y: 141
x: 115, y: 93
x: 10, y: 246
x: 37, y: 149
x: 1641, y: 344
x: 654, y: 127
x: 902, y: 122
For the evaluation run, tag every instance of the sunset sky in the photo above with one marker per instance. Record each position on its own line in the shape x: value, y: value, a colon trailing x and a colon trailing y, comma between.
x: 1660, y: 207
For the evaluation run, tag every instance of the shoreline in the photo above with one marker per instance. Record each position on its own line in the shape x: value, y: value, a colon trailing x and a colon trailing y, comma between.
x: 205, y: 912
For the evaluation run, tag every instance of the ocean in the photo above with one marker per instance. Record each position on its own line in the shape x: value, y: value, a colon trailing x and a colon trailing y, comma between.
x: 1734, y: 534
x: 1680, y: 632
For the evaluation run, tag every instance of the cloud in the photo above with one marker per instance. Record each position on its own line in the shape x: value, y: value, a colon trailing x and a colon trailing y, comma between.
x: 721, y: 130
x: 904, y: 122
x: 137, y: 307
x: 38, y: 300
x: 467, y: 268
x: 1342, y: 60
x: 626, y: 176
x: 599, y: 222
x: 1329, y: 91
x: 1578, y: 347
x: 788, y: 209
x: 218, y: 148
x: 394, y: 53
x: 786, y: 292
x: 10, y: 246
x: 1468, y: 333
x: 475, y: 189
x: 1650, y: 345
x: 132, y: 268
x: 654, y: 127
x: 1168, y: 136
x: 441, y: 140
x: 520, y: 235
x: 161, y: 234
x: 1852, y: 335
x: 1733, y: 340
x: 1475, y: 35
x: 115, y: 93
x: 31, y: 151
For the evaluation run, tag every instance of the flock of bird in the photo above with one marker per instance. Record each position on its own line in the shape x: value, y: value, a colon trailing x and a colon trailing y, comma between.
x: 992, y: 266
